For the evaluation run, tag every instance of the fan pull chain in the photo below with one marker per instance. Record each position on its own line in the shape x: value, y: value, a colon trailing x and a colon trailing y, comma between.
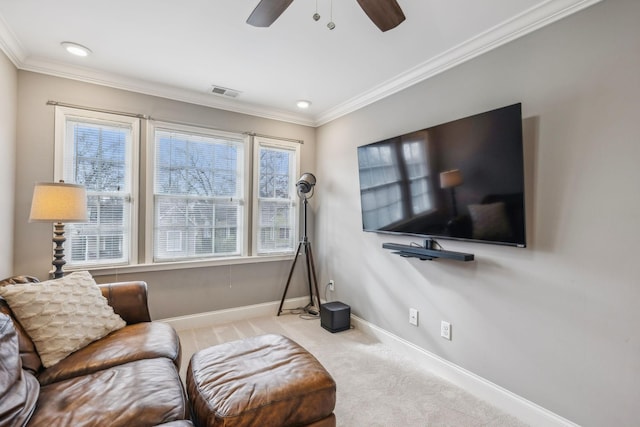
x: 316, y: 16
x: 331, y: 25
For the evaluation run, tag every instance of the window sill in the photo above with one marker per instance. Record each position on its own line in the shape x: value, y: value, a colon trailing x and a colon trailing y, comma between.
x: 181, y: 265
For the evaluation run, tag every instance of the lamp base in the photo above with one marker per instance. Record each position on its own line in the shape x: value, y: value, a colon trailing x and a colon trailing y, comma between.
x: 58, y: 252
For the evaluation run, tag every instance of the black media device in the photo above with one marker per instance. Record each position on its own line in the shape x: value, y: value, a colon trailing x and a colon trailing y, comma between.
x: 335, y: 316
x: 461, y: 180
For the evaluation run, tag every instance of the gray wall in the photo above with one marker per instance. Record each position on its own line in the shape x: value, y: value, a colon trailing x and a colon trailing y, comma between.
x: 557, y: 322
x: 172, y: 292
x: 8, y: 107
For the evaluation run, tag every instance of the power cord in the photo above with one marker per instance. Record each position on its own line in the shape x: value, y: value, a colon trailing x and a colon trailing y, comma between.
x: 302, y: 311
x: 326, y: 288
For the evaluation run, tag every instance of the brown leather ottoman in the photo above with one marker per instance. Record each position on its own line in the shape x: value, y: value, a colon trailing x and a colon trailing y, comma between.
x: 268, y: 380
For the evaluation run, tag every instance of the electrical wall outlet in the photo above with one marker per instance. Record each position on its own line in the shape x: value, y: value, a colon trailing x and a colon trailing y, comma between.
x: 413, y: 316
x: 445, y: 330
x: 332, y: 285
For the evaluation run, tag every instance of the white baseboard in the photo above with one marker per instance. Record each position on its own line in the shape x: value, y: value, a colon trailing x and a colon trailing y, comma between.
x: 202, y: 320
x: 499, y: 397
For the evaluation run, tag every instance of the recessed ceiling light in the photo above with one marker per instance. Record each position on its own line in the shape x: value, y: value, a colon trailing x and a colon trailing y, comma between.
x: 303, y: 104
x: 76, y: 49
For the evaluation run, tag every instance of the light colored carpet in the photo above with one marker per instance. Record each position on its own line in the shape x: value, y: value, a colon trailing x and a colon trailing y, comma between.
x: 375, y: 385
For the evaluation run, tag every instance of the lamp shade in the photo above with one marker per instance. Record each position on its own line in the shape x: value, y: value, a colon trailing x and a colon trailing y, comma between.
x: 306, y: 182
x: 58, y: 202
x: 451, y: 178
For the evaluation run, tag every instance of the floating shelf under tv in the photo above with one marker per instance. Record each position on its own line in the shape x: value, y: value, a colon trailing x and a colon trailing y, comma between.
x: 426, y: 252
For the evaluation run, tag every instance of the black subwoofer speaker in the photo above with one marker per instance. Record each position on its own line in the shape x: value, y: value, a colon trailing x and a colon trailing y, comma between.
x: 335, y: 316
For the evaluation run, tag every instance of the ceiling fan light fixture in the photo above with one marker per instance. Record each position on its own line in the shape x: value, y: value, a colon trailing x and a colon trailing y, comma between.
x: 303, y: 104
x: 385, y: 14
x: 76, y: 49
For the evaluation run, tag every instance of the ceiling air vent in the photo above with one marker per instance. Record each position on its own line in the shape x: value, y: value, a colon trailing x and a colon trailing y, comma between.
x: 225, y: 91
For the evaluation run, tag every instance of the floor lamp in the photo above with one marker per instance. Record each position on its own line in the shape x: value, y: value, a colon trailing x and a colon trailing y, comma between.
x: 58, y: 202
x: 304, y: 185
x: 452, y: 179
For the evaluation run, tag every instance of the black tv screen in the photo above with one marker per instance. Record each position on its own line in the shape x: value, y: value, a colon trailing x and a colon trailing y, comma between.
x: 459, y: 180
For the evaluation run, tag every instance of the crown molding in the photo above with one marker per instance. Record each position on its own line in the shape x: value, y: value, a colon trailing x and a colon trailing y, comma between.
x: 516, y: 27
x: 10, y: 45
x: 160, y: 90
x: 530, y: 20
x: 18, y: 56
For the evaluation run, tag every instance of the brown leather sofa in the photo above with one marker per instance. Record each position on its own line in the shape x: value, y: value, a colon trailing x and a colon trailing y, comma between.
x: 128, y: 378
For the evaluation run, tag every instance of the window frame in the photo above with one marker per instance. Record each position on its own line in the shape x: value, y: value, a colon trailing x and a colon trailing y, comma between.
x: 294, y: 146
x: 152, y: 127
x: 61, y: 151
x: 141, y: 169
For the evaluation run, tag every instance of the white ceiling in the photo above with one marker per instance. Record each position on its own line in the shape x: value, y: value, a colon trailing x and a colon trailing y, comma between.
x: 180, y: 49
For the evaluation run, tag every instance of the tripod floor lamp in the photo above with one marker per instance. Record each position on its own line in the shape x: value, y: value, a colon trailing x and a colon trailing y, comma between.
x: 304, y: 185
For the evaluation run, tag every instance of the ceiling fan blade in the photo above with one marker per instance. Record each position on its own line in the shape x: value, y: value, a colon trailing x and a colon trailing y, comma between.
x: 267, y: 11
x: 386, y: 14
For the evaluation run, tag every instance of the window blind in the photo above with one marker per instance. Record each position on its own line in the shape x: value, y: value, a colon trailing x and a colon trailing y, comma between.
x: 97, y: 154
x: 275, y: 199
x: 198, y: 195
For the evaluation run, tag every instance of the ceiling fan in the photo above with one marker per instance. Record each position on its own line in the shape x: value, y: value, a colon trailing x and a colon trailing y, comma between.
x: 386, y: 14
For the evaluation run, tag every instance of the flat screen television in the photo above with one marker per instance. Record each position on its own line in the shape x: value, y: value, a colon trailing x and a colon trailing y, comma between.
x: 460, y: 180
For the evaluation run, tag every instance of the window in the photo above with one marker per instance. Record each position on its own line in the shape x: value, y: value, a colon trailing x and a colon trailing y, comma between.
x: 207, y: 194
x: 395, y: 181
x: 276, y: 163
x: 414, y: 155
x: 381, y: 183
x: 199, y: 193
x: 98, y: 151
x: 174, y: 241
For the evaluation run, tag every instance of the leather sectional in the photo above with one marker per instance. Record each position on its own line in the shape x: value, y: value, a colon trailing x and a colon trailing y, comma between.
x: 128, y: 378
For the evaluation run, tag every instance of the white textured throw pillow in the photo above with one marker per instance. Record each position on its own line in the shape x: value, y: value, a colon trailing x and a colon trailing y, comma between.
x: 62, y: 315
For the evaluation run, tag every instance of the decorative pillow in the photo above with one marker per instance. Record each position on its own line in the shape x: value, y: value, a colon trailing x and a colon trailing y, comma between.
x: 62, y: 315
x: 490, y: 221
